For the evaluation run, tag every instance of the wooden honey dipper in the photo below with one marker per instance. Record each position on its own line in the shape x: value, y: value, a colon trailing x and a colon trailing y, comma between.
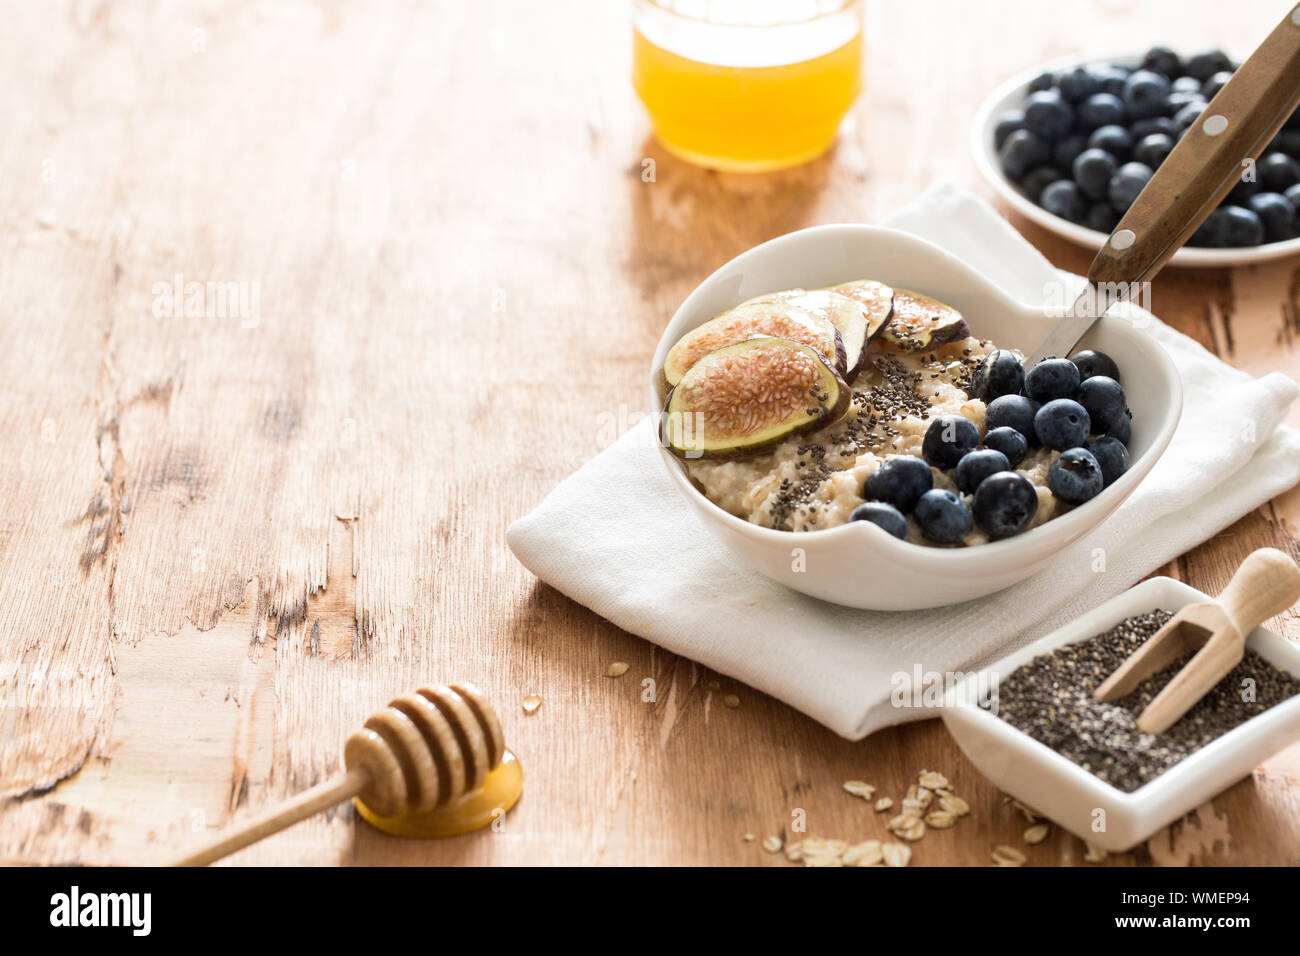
x: 422, y: 754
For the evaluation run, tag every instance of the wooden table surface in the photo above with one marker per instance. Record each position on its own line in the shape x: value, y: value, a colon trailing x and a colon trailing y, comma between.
x: 230, y: 531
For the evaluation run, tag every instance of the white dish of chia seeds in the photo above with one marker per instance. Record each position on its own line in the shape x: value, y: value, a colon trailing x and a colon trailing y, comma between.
x: 1080, y: 801
x: 858, y: 564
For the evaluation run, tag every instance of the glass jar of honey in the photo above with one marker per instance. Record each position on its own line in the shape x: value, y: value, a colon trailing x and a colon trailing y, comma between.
x: 747, y: 85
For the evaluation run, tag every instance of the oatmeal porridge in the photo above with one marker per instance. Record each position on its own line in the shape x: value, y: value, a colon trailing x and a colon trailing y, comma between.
x: 783, y: 440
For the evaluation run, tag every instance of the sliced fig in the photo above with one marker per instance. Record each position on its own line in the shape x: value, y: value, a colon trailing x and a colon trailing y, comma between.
x: 848, y: 314
x: 769, y: 318
x: 876, y: 297
x: 920, y: 322
x: 743, y: 398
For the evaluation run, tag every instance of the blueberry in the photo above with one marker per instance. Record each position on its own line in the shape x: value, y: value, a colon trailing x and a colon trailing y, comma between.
x: 1176, y: 101
x: 1111, y: 455
x: 1153, y: 148
x: 1102, y: 217
x: 1037, y: 180
x: 1062, y: 423
x: 1078, y: 84
x: 1215, y: 83
x: 1090, y: 362
x: 1277, y: 172
x: 943, y: 517
x: 1100, y: 109
x: 1277, y: 213
x: 1123, y: 432
x: 1047, y: 115
x: 1144, y: 94
x: 1293, y: 194
x: 1185, y: 84
x: 977, y: 466
x: 1075, y: 476
x: 1008, y: 123
x: 1111, y: 76
x: 1241, y: 227
x: 1113, y: 139
x: 1287, y: 141
x: 1021, y: 152
x: 1162, y: 60
x: 1211, y: 232
x: 1008, y: 441
x: 1012, y: 411
x: 1092, y: 171
x: 1067, y: 150
x: 1043, y: 81
x: 948, y: 438
x: 1103, y: 399
x: 1128, y: 181
x: 1246, y: 188
x: 999, y: 373
x: 882, y: 516
x: 1063, y: 198
x: 1188, y: 115
x: 1153, y: 124
x: 899, y: 482
x: 1004, y: 504
x: 1052, y: 378
x: 1205, y: 65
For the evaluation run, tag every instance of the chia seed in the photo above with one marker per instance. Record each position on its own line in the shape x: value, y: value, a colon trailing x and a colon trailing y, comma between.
x: 1050, y: 699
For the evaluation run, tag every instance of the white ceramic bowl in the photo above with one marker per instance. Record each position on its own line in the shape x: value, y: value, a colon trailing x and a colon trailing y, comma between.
x: 1061, y: 790
x: 1011, y: 95
x: 858, y: 564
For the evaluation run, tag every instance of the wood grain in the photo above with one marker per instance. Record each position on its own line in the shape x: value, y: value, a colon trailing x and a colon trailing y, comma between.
x: 227, y: 538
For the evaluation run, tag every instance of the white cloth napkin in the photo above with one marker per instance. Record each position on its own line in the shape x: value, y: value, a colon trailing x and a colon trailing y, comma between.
x: 616, y: 537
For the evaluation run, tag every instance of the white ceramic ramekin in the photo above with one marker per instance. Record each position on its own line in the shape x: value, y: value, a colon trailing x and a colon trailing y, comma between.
x: 858, y: 564
x: 1081, y: 803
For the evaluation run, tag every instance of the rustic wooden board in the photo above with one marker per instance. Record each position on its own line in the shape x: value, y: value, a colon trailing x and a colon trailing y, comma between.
x: 226, y: 538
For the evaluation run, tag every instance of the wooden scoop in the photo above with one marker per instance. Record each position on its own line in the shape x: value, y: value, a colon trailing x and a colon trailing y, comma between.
x: 422, y: 752
x: 1267, y: 583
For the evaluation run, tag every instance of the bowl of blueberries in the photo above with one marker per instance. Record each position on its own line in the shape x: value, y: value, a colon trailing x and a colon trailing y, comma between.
x: 1070, y: 144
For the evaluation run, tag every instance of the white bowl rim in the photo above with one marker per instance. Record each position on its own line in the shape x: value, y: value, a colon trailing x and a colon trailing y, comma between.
x: 985, y: 157
x: 885, y: 542
x: 1081, y: 629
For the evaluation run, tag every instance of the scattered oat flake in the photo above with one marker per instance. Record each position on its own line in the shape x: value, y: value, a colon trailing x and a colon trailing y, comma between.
x: 531, y: 703
x: 794, y: 852
x: 866, y: 853
x: 1095, y: 854
x: 732, y: 701
x: 860, y: 789
x: 940, y: 819
x: 772, y: 844
x: 1008, y: 856
x: 907, y: 827
x: 748, y: 838
x: 884, y: 803
x: 933, y: 780
x: 896, y: 854
x: 954, y: 804
x: 1036, y: 834
x: 616, y: 669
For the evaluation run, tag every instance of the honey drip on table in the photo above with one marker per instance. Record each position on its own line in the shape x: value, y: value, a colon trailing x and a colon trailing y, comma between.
x: 501, y: 789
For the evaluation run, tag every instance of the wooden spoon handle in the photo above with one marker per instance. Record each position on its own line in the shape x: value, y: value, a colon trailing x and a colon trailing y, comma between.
x: 1207, y: 162
x: 306, y: 804
x: 1267, y: 583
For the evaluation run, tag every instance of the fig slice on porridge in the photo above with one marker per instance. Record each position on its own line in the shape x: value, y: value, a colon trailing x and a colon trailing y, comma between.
x: 877, y: 300
x: 857, y: 319
x: 920, y: 322
x: 744, y: 398
x: 759, y: 318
